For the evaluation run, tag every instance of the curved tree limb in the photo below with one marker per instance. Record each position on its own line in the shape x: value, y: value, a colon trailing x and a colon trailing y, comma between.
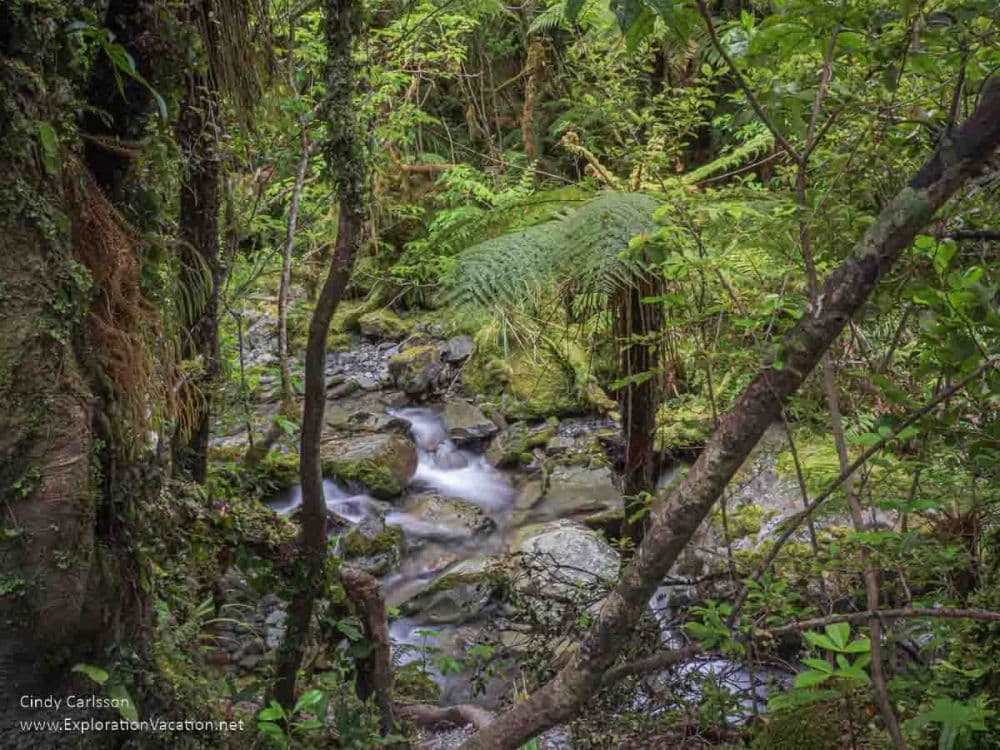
x: 674, y: 521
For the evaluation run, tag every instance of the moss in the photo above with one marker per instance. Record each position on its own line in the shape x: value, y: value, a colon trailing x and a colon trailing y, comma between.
x: 356, y: 544
x: 805, y: 728
x: 378, y: 479
x: 384, y: 324
x: 525, y: 385
x: 683, y: 424
x: 276, y: 471
x: 515, y: 446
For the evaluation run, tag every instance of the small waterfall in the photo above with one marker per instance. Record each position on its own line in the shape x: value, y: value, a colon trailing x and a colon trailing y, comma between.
x: 453, y: 471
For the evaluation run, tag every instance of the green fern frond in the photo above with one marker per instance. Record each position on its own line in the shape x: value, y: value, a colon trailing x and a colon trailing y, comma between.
x: 587, y: 247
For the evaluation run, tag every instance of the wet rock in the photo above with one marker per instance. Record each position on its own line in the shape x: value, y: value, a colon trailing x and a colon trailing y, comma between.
x: 373, y: 546
x: 342, y: 389
x: 416, y: 369
x: 457, y: 595
x: 458, y: 349
x: 381, y: 464
x: 465, y: 422
x: 578, y: 492
x: 514, y: 445
x: 449, y: 512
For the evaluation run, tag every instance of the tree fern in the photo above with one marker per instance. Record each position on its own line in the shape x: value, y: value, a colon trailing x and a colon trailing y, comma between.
x: 586, y: 247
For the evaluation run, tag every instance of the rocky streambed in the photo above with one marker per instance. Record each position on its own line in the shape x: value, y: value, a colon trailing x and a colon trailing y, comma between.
x: 442, y: 497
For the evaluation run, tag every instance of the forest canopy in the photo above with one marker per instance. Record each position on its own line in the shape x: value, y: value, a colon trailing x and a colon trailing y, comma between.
x: 459, y: 374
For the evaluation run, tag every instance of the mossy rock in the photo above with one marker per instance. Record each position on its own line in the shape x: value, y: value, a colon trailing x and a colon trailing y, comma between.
x: 526, y: 386
x: 456, y: 595
x: 804, y: 728
x: 384, y: 324
x: 416, y: 369
x: 381, y: 464
x: 513, y: 446
x: 276, y: 471
x: 373, y: 546
x: 683, y: 425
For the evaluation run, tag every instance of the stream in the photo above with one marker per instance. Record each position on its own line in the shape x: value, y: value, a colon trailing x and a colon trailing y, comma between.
x: 433, y: 548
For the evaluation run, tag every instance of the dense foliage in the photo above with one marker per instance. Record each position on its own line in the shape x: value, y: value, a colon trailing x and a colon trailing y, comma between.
x: 591, y: 223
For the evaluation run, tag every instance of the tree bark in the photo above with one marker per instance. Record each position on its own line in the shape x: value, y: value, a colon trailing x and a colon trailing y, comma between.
x: 639, y: 401
x: 375, y: 673
x: 675, y: 520
x: 200, y: 271
x: 345, y: 159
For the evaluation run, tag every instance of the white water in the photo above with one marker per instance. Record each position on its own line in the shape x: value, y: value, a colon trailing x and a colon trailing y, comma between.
x: 450, y: 470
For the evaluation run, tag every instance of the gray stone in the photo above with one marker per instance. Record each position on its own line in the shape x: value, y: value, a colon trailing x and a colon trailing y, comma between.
x: 416, y: 369
x: 563, y: 560
x: 466, y: 422
x: 575, y: 492
x: 458, y: 348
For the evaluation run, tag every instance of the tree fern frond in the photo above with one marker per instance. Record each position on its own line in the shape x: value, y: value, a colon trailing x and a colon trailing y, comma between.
x: 588, y: 247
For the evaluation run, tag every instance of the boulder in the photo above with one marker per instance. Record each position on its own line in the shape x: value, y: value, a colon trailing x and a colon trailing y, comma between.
x: 562, y: 560
x: 579, y: 492
x: 456, y: 595
x: 464, y: 518
x: 381, y: 464
x: 373, y: 546
x: 513, y: 446
x: 416, y: 369
x: 384, y: 324
x: 465, y: 422
x: 458, y: 349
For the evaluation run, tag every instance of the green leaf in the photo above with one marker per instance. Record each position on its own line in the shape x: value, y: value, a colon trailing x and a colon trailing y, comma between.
x: 858, y: 646
x: 97, y: 674
x: 273, y: 712
x: 50, y: 146
x: 126, y: 707
x: 838, y: 632
x: 818, y: 664
x: 810, y: 678
x: 573, y: 8
x: 308, y: 701
x: 665, y: 10
x: 820, y: 640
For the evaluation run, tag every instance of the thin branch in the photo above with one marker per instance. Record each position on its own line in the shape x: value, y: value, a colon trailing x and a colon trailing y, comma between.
x: 947, y: 613
x: 741, y: 82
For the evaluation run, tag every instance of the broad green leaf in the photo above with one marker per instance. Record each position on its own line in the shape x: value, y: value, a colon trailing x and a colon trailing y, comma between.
x: 308, y: 701
x: 810, y: 678
x: 838, y: 632
x: 273, y: 712
x: 97, y: 674
x: 126, y: 707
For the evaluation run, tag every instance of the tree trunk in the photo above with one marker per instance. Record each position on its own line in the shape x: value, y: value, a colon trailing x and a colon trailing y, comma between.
x: 345, y: 159
x: 200, y: 272
x: 287, y: 395
x: 64, y: 568
x: 675, y: 520
x: 639, y: 400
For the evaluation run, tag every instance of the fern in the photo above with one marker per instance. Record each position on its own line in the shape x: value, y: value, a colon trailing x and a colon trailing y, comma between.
x: 586, y: 247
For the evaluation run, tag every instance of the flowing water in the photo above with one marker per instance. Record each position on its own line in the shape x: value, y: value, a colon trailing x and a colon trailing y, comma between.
x: 432, y: 548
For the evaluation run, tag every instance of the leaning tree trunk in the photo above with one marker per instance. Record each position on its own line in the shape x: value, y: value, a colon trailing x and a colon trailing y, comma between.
x: 675, y: 520
x: 200, y: 272
x: 345, y: 158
